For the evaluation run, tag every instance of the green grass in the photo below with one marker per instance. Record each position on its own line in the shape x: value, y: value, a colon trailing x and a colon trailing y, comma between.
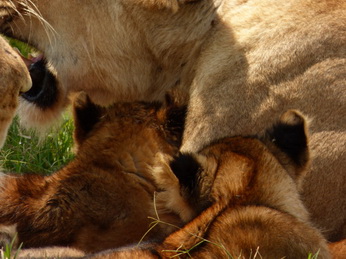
x: 8, y: 252
x: 24, y: 48
x: 24, y: 152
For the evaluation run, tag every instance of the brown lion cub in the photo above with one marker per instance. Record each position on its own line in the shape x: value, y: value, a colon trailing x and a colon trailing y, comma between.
x: 103, y: 198
x: 239, y: 198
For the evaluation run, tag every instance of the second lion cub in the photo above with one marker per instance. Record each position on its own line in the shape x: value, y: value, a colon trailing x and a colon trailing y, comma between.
x: 102, y: 199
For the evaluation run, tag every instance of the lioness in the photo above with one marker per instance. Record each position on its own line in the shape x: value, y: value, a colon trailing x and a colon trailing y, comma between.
x: 240, y: 63
x: 14, y: 79
x: 102, y: 199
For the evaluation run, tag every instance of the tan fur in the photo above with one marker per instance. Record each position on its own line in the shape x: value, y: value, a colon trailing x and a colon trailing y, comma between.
x: 103, y: 198
x: 14, y: 79
x: 170, y: 200
x: 256, y: 211
x: 240, y: 62
x: 338, y: 249
x: 51, y: 252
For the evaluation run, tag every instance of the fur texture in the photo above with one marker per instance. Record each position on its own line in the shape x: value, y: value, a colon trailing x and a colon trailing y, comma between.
x: 240, y: 64
x: 338, y: 249
x: 14, y: 79
x: 245, y: 199
x: 242, y: 199
x: 103, y: 198
x: 50, y: 252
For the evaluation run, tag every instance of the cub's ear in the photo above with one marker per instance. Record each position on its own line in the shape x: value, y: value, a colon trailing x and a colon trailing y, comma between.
x: 172, y: 116
x: 86, y: 114
x: 187, y: 169
x: 289, y: 141
x: 189, y: 172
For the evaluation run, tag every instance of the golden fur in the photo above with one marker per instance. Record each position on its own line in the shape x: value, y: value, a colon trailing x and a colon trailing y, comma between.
x: 14, y: 79
x: 240, y: 63
x: 103, y: 198
x: 338, y: 249
x: 245, y: 196
x: 240, y: 197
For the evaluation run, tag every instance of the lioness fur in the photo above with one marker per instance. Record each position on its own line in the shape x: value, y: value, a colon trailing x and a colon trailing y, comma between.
x: 240, y: 63
x: 14, y: 79
x: 243, y: 200
x: 103, y: 198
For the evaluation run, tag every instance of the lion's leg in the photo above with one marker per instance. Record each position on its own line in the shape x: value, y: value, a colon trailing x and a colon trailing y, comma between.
x: 14, y: 78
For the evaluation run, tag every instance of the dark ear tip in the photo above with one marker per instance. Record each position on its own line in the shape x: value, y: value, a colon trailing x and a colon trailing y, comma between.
x: 174, y: 120
x: 86, y: 115
x: 290, y: 131
x: 186, y: 168
x: 290, y: 135
x: 183, y: 162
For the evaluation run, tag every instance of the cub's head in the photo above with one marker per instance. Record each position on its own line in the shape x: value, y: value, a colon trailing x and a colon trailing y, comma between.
x: 137, y: 129
x: 243, y: 171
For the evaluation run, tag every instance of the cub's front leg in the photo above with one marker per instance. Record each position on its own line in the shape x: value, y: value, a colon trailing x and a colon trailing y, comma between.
x: 20, y: 200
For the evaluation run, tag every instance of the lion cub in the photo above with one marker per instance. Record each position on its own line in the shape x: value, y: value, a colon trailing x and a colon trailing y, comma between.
x: 102, y: 199
x: 239, y: 199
